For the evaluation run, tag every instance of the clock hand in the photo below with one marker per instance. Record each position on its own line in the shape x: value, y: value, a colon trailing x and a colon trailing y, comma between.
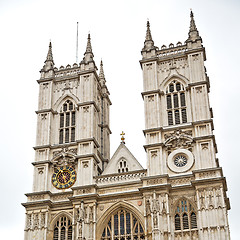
x: 64, y: 177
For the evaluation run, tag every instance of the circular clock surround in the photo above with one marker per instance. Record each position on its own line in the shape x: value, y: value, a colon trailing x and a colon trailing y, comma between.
x: 63, y: 177
x: 180, y: 160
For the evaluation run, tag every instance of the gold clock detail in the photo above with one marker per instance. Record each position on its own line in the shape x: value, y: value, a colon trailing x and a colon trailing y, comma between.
x: 63, y: 177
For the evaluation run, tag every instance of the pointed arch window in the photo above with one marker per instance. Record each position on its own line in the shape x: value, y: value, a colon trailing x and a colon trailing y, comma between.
x: 176, y: 103
x: 123, y: 166
x: 123, y: 225
x: 67, y: 123
x: 62, y: 229
x: 185, y: 216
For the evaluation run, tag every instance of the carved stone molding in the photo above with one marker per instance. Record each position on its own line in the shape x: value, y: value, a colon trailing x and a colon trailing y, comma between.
x: 64, y: 157
x: 178, y: 139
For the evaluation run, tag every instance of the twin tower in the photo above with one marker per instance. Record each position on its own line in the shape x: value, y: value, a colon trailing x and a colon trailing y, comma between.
x: 80, y: 193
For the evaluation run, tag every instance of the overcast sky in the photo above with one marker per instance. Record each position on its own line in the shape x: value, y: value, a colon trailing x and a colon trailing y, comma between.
x: 118, y: 30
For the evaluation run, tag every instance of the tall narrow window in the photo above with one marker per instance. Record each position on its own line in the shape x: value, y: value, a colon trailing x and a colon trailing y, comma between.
x: 182, y: 97
x: 185, y: 216
x: 169, y: 102
x: 185, y: 221
x: 175, y: 98
x: 193, y: 220
x: 63, y: 229
x: 177, y: 222
x: 67, y: 123
x: 170, y: 118
x: 176, y: 103
x: 184, y: 115
x: 177, y: 117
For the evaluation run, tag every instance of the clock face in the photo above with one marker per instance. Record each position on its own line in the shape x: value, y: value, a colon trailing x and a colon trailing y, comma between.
x: 63, y: 177
x: 180, y: 160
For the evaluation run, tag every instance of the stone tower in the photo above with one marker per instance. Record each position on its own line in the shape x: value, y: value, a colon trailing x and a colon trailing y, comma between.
x: 72, y: 135
x: 80, y: 193
x: 180, y: 143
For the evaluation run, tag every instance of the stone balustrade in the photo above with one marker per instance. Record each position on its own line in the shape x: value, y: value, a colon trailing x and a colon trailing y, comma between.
x: 120, y: 177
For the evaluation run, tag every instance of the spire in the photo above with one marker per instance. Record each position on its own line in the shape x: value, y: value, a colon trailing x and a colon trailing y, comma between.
x: 101, y: 73
x: 47, y: 70
x: 193, y: 34
x: 192, y: 22
x: 49, y: 55
x: 148, y: 33
x: 88, y: 55
x: 149, y: 43
x: 89, y: 46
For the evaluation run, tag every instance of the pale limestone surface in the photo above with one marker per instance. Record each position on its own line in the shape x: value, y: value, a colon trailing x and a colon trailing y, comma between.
x: 181, y: 157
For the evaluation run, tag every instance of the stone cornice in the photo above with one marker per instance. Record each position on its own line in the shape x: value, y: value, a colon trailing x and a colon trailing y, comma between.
x: 207, y: 137
x: 92, y: 70
x: 48, y: 203
x: 41, y: 162
x: 89, y: 156
x: 78, y: 198
x: 131, y: 193
x: 210, y: 181
x: 84, y: 187
x: 55, y: 146
x: 38, y: 193
x: 146, y: 60
x: 41, y: 147
x: 178, y: 126
x: 208, y: 170
x: 89, y: 140
x: 89, y: 103
x: 152, y: 145
x: 46, y: 111
x: 158, y: 91
x: 152, y: 130
x: 165, y: 186
x: 190, y: 85
x: 42, y: 80
x: 67, y: 144
x: 105, y: 126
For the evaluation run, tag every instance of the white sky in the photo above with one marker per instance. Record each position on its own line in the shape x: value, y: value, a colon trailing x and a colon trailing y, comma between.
x: 118, y: 30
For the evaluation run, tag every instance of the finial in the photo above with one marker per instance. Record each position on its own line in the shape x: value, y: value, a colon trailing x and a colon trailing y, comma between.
x: 192, y: 22
x: 49, y: 54
x: 89, y: 46
x: 193, y: 34
x: 122, y: 138
x: 101, y: 73
x: 48, y: 67
x: 148, y: 33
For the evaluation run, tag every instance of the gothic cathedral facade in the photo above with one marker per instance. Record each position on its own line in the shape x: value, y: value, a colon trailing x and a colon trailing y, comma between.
x: 80, y: 193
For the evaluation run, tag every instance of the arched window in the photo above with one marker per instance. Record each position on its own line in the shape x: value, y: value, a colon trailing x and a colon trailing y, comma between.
x: 67, y: 123
x: 185, y: 216
x: 122, y: 166
x: 62, y: 229
x: 123, y: 225
x: 176, y: 103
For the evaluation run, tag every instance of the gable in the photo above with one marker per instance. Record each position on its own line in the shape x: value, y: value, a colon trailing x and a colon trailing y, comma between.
x: 122, y: 161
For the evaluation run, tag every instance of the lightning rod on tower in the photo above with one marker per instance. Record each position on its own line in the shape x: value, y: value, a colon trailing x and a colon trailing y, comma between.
x: 77, y: 45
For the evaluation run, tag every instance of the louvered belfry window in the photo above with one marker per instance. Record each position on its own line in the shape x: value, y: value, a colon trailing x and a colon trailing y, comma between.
x: 123, y: 225
x: 176, y: 103
x: 62, y: 229
x: 67, y: 123
x: 185, y: 216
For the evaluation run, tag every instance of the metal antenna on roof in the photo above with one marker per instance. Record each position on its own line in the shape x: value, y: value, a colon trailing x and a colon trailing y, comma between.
x: 77, y: 45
